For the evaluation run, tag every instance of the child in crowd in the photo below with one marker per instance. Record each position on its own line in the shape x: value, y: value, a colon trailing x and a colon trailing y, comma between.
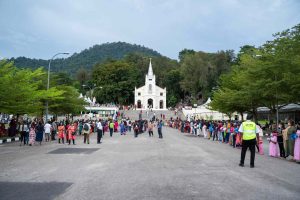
x: 273, y: 147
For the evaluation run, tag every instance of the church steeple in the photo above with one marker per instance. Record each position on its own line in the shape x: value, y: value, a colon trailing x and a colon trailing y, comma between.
x: 150, y: 79
x: 150, y: 70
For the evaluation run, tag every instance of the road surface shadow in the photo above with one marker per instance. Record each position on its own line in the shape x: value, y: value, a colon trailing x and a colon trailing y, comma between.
x: 32, y: 191
x: 73, y: 151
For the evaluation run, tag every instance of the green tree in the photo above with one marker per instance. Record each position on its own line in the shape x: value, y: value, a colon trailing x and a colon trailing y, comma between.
x: 265, y: 76
x: 184, y: 53
x: 172, y: 82
x: 82, y: 76
x: 195, y: 69
x: 115, y: 82
x: 70, y: 103
x: 20, y: 91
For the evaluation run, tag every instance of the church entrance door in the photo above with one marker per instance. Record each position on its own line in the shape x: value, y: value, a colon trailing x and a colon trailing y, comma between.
x: 150, y: 103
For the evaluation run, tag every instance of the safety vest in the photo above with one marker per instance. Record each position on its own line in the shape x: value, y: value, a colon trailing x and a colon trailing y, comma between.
x: 249, y: 130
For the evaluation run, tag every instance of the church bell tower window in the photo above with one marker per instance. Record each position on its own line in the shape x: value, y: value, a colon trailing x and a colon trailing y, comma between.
x: 150, y: 89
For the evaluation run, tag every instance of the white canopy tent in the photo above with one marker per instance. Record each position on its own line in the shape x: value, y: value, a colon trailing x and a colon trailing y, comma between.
x: 205, y: 112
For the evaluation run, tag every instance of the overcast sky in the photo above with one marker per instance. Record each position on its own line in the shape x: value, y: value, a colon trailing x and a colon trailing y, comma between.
x: 41, y: 28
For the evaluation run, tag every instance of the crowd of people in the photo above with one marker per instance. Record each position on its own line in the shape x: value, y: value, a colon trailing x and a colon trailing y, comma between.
x: 284, y: 141
x: 66, y: 131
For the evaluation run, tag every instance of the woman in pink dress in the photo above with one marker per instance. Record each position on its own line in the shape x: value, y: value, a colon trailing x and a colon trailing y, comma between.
x: 260, y: 141
x: 261, y: 146
x: 71, y: 134
x: 273, y: 147
x: 32, y: 134
x: 297, y: 147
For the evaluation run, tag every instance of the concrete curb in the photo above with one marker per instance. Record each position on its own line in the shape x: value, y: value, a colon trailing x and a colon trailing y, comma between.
x: 8, y: 140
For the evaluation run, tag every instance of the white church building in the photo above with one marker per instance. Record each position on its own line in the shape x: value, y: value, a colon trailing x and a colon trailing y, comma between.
x: 150, y: 96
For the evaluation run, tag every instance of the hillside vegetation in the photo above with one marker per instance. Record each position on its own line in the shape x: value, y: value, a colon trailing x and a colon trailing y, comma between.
x: 87, y: 58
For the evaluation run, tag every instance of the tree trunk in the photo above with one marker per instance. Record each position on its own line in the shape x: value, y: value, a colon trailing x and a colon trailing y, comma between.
x: 242, y: 116
x: 254, y: 111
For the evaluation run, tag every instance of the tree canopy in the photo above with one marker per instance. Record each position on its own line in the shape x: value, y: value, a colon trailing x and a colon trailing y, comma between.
x: 265, y: 76
x: 23, y: 91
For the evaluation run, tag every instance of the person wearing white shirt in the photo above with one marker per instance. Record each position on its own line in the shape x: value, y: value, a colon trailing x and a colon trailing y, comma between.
x: 47, y: 128
x: 99, y: 131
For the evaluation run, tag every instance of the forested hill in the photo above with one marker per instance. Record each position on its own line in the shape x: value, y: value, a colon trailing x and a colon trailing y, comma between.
x: 87, y: 58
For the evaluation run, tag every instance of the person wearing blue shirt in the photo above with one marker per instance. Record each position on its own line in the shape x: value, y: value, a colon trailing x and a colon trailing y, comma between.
x: 159, y: 127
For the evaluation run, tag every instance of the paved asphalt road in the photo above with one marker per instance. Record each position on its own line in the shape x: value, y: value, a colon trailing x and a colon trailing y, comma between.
x: 123, y: 167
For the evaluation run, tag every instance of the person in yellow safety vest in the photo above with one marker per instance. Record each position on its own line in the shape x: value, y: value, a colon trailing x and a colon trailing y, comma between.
x: 111, y: 128
x: 249, y: 134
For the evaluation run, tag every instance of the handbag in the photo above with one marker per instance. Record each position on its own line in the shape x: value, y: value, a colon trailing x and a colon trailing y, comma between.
x: 293, y: 136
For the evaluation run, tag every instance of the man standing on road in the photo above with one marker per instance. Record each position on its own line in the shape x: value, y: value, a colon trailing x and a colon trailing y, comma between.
x: 159, y: 127
x: 86, y: 132
x: 150, y: 128
x: 47, y: 128
x: 23, y: 127
x: 111, y: 128
x: 136, y: 128
x: 249, y: 134
x: 99, y: 131
x: 54, y: 130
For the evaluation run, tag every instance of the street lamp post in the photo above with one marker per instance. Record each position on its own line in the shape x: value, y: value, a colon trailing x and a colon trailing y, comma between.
x: 48, y: 82
x: 277, y: 114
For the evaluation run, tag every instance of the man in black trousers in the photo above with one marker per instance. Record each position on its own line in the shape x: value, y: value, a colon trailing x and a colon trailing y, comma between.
x: 249, y: 133
x: 99, y: 131
x: 159, y: 129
